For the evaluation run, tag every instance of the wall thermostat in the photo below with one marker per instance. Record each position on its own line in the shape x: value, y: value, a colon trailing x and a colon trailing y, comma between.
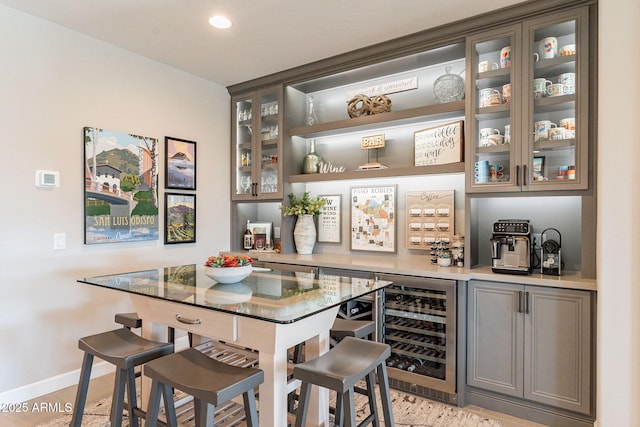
x: 47, y: 179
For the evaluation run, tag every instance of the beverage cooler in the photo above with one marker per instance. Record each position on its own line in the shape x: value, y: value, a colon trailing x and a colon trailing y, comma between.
x: 417, y: 318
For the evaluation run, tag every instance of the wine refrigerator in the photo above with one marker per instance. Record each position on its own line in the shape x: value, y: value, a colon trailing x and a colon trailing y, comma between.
x: 418, y: 320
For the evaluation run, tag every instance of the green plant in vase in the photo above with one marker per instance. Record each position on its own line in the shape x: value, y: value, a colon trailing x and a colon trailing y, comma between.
x: 305, y: 208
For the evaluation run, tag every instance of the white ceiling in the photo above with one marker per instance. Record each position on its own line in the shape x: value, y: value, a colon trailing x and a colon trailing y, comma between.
x: 267, y: 35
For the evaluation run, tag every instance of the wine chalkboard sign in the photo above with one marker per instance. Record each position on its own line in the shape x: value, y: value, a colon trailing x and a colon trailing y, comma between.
x: 440, y: 145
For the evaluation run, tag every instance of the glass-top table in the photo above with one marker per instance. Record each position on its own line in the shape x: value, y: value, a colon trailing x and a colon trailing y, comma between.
x: 270, y: 311
x: 272, y: 295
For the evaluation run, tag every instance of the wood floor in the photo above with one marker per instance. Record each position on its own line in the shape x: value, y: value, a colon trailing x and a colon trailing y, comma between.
x: 102, y: 387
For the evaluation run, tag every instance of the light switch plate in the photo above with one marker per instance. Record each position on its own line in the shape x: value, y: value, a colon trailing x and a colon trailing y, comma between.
x: 59, y: 241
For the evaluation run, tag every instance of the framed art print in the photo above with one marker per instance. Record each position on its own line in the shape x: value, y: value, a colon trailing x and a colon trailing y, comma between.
x: 120, y: 187
x: 373, y: 219
x: 180, y: 163
x: 180, y: 218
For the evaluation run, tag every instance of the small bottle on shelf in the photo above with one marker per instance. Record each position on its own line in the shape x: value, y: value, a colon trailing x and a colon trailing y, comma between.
x: 312, y: 117
x: 248, y: 237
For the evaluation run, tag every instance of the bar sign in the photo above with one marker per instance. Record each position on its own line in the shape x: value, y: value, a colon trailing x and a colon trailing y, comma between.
x: 372, y: 141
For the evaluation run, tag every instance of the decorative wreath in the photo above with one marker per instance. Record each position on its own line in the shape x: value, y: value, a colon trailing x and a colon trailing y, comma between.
x: 359, y: 106
x: 380, y: 104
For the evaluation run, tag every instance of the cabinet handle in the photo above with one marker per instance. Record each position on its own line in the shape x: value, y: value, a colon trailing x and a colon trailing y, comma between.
x: 518, y: 175
x: 526, y: 302
x: 186, y: 321
x: 519, y: 301
x: 524, y: 175
x: 254, y: 189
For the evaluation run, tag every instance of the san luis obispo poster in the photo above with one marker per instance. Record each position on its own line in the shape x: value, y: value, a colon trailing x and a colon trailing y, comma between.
x: 121, y: 187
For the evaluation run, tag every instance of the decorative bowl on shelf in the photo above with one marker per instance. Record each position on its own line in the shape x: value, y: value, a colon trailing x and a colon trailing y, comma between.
x: 448, y: 87
x: 228, y: 274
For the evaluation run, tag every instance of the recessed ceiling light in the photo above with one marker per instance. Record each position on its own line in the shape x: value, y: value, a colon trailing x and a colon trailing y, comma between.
x: 220, y: 22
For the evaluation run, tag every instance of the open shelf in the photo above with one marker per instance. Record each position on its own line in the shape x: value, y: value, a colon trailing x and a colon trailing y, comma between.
x: 376, y: 121
x: 380, y: 173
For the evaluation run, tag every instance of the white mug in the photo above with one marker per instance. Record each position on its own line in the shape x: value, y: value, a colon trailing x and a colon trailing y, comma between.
x: 548, y: 47
x: 484, y: 66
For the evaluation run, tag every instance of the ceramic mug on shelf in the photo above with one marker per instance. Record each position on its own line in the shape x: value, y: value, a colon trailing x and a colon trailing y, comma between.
x: 568, y: 49
x: 495, y: 139
x: 542, y: 128
x: 506, y: 93
x: 485, y: 133
x: 484, y: 66
x: 548, y: 47
x: 568, y: 123
x: 507, y: 134
x: 556, y: 134
x: 557, y: 89
x: 540, y: 87
x: 505, y: 57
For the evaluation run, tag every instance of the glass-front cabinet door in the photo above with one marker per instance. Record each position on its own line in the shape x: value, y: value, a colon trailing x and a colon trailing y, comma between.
x: 557, y: 80
x: 529, y: 105
x: 493, y: 159
x: 257, y: 145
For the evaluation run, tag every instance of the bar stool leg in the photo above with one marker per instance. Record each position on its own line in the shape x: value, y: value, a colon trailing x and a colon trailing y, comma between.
x: 118, y: 397
x: 154, y: 405
x: 371, y: 391
x: 204, y: 412
x: 383, y: 382
x: 348, y: 408
x: 81, y: 393
x: 250, y: 409
x: 132, y: 397
x: 303, y: 404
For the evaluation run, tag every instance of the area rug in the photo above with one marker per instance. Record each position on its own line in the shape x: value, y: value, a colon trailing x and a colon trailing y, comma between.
x: 408, y: 411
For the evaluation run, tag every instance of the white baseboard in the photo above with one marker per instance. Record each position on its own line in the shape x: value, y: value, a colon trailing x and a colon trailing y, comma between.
x: 52, y: 384
x: 68, y: 379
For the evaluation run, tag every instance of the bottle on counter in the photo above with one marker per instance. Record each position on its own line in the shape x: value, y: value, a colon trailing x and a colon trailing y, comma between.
x: 248, y: 237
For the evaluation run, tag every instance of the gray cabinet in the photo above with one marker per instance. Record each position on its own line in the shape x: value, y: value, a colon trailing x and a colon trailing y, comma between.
x: 531, y: 343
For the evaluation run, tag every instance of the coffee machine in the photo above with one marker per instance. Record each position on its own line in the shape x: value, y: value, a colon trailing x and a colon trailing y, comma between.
x: 511, y: 246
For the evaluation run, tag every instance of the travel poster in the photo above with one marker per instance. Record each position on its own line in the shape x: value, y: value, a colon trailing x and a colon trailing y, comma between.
x: 120, y: 187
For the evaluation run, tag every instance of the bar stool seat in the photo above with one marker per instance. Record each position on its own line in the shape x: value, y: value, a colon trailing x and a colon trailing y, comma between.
x: 210, y: 382
x: 125, y: 350
x: 350, y: 361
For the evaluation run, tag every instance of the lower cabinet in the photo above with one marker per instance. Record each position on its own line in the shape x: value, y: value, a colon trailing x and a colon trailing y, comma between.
x: 530, y: 342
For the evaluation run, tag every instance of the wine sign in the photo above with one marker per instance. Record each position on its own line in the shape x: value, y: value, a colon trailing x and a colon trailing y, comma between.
x: 329, y: 219
x: 440, y: 145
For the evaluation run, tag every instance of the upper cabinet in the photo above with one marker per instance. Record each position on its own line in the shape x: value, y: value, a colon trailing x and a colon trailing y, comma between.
x: 388, y: 101
x: 256, y: 151
x: 528, y: 106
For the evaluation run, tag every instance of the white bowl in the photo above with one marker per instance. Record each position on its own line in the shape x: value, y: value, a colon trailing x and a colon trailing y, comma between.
x: 228, y: 274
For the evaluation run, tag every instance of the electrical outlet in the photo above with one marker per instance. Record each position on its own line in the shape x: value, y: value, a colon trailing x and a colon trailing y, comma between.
x: 537, y: 239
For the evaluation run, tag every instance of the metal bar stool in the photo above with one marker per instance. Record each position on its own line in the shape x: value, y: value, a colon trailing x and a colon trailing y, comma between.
x: 125, y: 350
x: 210, y: 382
x: 350, y: 361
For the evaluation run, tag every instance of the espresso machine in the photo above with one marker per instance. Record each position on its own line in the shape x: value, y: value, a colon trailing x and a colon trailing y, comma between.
x: 511, y: 246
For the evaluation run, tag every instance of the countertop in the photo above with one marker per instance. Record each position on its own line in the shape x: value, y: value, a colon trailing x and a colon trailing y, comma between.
x: 420, y: 266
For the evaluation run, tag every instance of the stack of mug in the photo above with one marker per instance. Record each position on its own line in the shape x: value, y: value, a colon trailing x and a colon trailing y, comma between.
x: 491, y: 136
x: 484, y: 172
x: 545, y: 130
x: 566, y: 85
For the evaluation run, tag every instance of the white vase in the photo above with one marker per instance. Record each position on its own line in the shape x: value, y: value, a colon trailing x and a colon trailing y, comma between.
x: 304, y: 234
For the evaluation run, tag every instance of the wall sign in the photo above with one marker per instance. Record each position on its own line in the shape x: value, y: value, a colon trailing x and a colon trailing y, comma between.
x: 385, y: 88
x: 373, y: 219
x: 439, y: 145
x: 430, y: 218
x: 329, y: 224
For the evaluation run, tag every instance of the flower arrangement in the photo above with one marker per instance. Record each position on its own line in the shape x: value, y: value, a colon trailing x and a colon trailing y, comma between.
x: 225, y: 260
x: 303, y: 206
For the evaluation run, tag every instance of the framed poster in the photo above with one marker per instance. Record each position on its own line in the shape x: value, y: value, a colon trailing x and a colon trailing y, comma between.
x: 120, y: 187
x: 329, y: 224
x: 180, y: 218
x: 373, y: 219
x: 179, y: 163
x: 439, y: 145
